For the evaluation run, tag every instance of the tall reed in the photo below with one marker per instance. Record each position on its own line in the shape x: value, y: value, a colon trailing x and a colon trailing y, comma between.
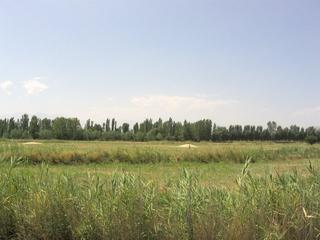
x: 48, y: 205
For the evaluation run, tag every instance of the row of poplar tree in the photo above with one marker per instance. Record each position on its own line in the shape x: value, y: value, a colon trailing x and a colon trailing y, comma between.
x: 148, y: 130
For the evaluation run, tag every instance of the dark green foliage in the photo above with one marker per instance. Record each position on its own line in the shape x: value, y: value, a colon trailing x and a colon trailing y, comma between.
x: 148, y: 130
x: 46, y: 134
x: 136, y: 128
x: 312, y: 139
x: 34, y: 127
x: 67, y: 128
x: 24, y: 122
x: 125, y: 127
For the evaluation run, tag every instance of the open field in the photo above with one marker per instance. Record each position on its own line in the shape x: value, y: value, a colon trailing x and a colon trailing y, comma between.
x: 217, y: 164
x: 170, y: 193
x: 73, y: 152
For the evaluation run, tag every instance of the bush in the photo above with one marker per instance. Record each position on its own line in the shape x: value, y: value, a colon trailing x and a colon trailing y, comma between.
x: 312, y: 139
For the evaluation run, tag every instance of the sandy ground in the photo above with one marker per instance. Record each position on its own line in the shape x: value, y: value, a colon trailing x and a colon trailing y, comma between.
x: 31, y: 143
x: 187, y: 146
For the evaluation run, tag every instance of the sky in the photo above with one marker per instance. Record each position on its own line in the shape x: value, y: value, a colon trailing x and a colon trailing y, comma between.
x: 244, y: 62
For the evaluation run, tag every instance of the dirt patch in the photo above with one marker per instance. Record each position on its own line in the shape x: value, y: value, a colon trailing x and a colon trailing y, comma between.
x: 188, y: 146
x: 31, y: 143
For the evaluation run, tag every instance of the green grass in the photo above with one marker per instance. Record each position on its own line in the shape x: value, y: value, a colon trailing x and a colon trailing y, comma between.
x: 222, y: 174
x: 159, y: 191
x: 45, y: 203
x: 72, y: 152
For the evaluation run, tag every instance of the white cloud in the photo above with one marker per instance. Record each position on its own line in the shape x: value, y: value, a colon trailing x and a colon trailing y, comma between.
x: 6, y: 86
x: 34, y: 86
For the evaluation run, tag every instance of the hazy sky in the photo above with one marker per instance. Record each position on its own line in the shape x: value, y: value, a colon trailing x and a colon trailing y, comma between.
x: 234, y: 61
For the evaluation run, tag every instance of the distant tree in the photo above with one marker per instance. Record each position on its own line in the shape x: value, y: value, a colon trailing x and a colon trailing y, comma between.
x: 246, y: 135
x: 202, y: 130
x: 136, y: 128
x: 158, y: 124
x: 170, y: 127
x: 280, y: 134
x: 128, y: 136
x: 146, y: 126
x: 88, y: 125
x: 151, y: 135
x: 46, y: 124
x: 59, y: 128
x: 11, y: 125
x: 97, y: 127
x: 159, y: 137
x: 258, y: 133
x: 113, y: 125
x: 265, y: 135
x: 45, y: 134
x: 178, y: 131
x: 302, y: 134
x: 73, y: 128
x: 293, y: 133
x: 310, y: 131
x: 125, y: 127
x: 312, y: 139
x: 187, y: 132
x: 108, y: 125
x: 34, y: 128
x: 139, y: 136
x: 272, y: 129
x: 4, y: 128
x: 24, y: 122
x: 16, y: 133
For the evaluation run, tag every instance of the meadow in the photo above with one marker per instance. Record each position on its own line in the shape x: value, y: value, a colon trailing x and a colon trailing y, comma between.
x: 84, y: 152
x: 158, y: 190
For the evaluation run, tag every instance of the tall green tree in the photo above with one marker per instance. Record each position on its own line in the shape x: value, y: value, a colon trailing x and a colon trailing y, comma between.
x: 34, y: 128
x: 24, y: 122
x: 108, y: 125
x: 125, y: 127
x: 113, y: 125
x: 136, y: 128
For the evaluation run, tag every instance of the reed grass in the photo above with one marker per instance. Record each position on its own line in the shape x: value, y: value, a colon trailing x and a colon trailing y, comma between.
x: 48, y: 205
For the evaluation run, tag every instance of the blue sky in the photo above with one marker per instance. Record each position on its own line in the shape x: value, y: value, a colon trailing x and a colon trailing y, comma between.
x: 232, y: 61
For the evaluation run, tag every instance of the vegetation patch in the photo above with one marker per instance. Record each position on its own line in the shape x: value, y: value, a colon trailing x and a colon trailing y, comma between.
x: 73, y: 152
x: 46, y: 205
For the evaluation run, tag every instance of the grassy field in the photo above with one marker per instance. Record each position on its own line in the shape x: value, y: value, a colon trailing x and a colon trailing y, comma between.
x: 157, y: 190
x: 71, y: 152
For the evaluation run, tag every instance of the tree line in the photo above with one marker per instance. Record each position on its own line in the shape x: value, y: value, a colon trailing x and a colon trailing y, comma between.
x: 149, y: 130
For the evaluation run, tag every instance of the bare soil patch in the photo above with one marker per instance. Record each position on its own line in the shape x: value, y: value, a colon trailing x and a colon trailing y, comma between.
x: 32, y: 143
x: 188, y: 146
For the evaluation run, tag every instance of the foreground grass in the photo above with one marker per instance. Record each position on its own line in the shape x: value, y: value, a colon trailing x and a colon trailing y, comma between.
x: 61, y: 203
